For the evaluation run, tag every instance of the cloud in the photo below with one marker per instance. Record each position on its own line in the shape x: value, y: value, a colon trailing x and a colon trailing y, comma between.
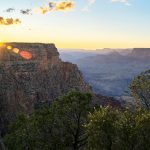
x: 25, y: 11
x: 56, y: 6
x: 64, y: 6
x: 90, y: 3
x: 22, y: 11
x: 41, y: 10
x: 9, y: 21
x: 121, y: 1
x: 9, y: 10
x: 52, y: 5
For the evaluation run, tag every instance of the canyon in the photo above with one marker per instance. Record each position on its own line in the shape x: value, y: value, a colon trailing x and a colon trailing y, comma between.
x: 32, y: 74
x: 110, y: 71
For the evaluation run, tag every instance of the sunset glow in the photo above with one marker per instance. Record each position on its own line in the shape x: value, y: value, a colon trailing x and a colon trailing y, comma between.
x: 1, y: 44
x: 89, y: 24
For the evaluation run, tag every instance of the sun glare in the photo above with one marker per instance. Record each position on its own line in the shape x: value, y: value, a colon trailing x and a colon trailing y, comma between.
x: 1, y: 44
x: 9, y: 47
x: 26, y: 55
x: 16, y: 50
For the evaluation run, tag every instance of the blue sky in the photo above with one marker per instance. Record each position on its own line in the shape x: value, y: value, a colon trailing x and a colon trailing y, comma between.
x: 100, y: 24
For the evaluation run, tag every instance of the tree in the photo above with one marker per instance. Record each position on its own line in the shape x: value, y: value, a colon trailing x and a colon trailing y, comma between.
x: 59, y: 126
x: 45, y: 131
x: 71, y: 113
x: 126, y: 127
x: 101, y: 129
x: 143, y: 130
x: 140, y: 89
x: 110, y: 129
x: 19, y: 136
x: 134, y: 130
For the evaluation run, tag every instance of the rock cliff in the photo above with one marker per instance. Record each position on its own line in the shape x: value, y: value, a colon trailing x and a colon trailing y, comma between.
x: 141, y: 53
x: 34, y: 73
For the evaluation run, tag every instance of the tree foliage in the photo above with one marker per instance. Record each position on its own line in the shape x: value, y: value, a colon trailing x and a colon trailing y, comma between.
x: 110, y: 129
x: 20, y: 137
x: 71, y: 114
x: 59, y: 127
x: 68, y: 125
x: 101, y: 129
x: 140, y: 89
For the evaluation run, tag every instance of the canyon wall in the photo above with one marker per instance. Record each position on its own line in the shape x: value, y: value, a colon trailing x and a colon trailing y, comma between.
x: 141, y: 53
x: 34, y: 73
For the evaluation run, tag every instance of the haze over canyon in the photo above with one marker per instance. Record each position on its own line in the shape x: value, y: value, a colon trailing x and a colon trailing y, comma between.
x: 109, y: 71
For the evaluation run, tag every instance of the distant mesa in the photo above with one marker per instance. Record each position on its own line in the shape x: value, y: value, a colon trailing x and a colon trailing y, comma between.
x: 141, y: 53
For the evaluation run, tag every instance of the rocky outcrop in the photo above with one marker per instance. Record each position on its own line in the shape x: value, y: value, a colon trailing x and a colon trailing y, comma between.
x: 142, y: 53
x: 33, y: 73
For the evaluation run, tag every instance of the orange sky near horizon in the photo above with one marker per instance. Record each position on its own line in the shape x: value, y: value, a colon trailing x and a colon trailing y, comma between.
x: 82, y: 44
x: 89, y: 24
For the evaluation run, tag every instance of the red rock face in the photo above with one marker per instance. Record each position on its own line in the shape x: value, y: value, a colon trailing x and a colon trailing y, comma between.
x: 40, y: 78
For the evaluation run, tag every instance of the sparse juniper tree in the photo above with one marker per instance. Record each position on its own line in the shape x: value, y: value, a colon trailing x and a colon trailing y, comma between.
x: 140, y: 89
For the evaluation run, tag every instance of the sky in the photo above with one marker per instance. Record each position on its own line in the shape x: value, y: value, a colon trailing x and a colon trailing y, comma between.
x: 84, y: 24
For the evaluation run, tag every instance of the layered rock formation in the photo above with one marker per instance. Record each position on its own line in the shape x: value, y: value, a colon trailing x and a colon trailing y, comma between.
x: 142, y: 53
x: 33, y: 73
